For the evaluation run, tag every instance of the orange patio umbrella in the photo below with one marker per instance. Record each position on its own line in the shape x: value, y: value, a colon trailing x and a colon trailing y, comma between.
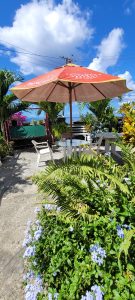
x: 70, y: 83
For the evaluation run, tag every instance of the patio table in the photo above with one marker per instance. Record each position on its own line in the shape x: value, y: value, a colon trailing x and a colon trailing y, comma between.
x: 110, y: 138
x: 69, y: 148
x: 67, y: 143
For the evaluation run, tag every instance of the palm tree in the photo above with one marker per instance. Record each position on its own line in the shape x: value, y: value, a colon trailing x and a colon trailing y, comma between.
x: 7, y: 106
x: 53, y: 109
x: 103, y: 113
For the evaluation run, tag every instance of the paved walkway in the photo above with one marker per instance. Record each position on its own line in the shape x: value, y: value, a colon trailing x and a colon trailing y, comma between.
x: 18, y: 199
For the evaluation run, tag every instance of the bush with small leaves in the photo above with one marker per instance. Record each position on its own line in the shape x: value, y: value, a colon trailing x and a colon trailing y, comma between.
x: 82, y: 244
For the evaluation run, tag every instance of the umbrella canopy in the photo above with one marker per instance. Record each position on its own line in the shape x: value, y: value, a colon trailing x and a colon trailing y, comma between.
x: 71, y: 83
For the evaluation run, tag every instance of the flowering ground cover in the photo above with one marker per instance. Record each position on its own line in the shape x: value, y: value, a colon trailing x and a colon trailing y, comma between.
x: 81, y: 246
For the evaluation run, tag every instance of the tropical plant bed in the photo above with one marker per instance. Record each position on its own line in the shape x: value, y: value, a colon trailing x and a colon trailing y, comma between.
x: 81, y: 246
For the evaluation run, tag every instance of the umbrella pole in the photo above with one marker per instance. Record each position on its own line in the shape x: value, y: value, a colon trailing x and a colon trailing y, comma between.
x: 70, y: 104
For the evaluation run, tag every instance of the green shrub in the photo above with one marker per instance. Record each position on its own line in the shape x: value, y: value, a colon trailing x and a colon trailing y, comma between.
x: 83, y: 246
x: 128, y: 111
x: 58, y: 129
x: 4, y: 147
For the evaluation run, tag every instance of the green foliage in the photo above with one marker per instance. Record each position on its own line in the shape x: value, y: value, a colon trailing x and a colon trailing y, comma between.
x: 58, y: 129
x: 128, y: 111
x: 4, y: 147
x: 52, y: 109
x: 7, y: 106
x: 89, y: 120
x: 95, y: 195
x: 103, y: 114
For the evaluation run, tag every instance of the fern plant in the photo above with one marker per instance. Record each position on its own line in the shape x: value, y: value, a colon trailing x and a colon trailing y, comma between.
x: 77, y: 184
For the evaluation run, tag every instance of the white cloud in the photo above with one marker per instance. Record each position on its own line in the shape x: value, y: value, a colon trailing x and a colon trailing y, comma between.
x: 108, y: 51
x: 131, y: 85
x: 45, y: 28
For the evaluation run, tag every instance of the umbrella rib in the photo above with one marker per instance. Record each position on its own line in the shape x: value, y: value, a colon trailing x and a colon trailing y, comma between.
x: 26, y: 94
x: 51, y: 91
x: 62, y: 84
x: 74, y: 86
x: 98, y: 90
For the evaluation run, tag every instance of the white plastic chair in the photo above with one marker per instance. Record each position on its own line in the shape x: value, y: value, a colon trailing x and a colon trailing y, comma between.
x: 42, y: 149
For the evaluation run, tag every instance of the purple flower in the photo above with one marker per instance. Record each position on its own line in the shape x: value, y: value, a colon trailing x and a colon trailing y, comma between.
x: 38, y: 233
x: 27, y: 240
x: 38, y: 280
x: 97, y: 292
x: 97, y: 254
x: 50, y: 206
x: 28, y: 276
x: 32, y: 291
x: 88, y: 296
x: 37, y: 209
x: 49, y: 296
x: 30, y: 251
x: 33, y: 288
x: 120, y: 232
x: 56, y: 296
x: 28, y: 237
x: 94, y: 248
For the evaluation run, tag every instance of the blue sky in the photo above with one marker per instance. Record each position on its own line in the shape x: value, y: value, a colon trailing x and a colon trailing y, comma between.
x: 34, y: 35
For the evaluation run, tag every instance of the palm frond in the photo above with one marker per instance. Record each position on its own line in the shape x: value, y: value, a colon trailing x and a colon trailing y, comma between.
x: 73, y: 184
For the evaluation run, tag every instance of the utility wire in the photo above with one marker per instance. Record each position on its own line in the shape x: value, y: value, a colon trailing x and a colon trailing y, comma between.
x: 78, y: 57
x: 25, y: 51
x: 28, y: 53
x: 53, y: 59
x: 40, y: 59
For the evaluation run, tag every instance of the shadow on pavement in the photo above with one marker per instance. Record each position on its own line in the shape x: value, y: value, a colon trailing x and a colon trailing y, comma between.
x: 11, y: 172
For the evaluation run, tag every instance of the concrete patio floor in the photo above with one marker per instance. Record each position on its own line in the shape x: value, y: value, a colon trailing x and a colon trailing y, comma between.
x: 18, y: 199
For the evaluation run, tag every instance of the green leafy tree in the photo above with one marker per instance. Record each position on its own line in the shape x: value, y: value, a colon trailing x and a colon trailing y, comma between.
x: 7, y: 105
x: 90, y: 121
x: 53, y: 109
